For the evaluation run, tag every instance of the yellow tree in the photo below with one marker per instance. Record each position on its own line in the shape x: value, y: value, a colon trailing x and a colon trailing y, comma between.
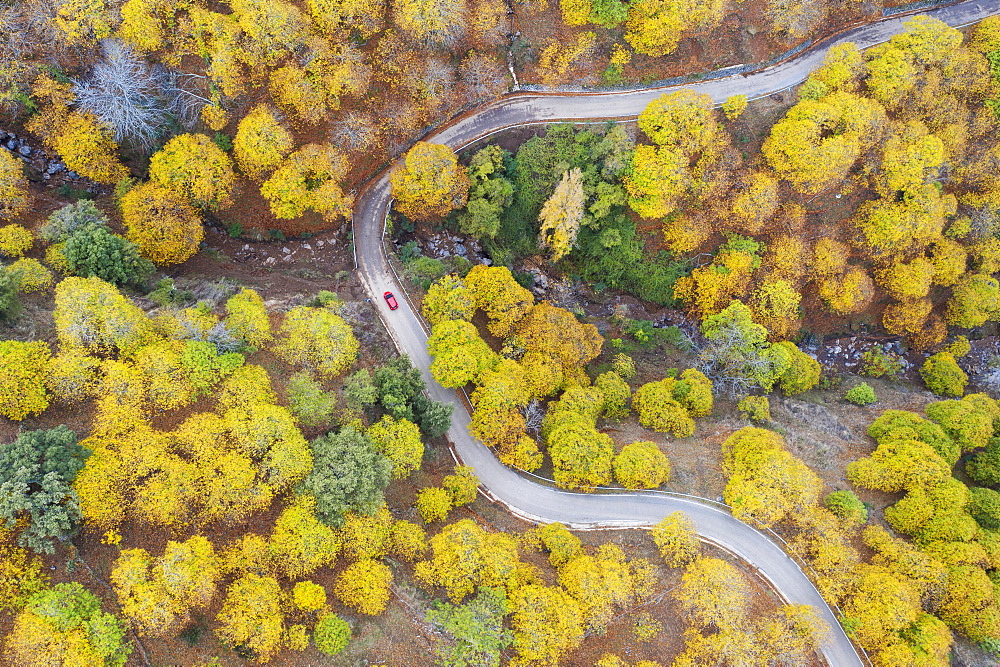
x: 157, y: 594
x: 561, y: 215
x: 658, y: 179
x: 364, y: 586
x: 431, y: 21
x: 447, y: 299
x: 248, y: 319
x: 601, y: 583
x: 713, y: 593
x: 252, y: 616
x: 300, y: 543
x: 86, y: 147
x: 23, y: 369
x: 464, y: 556
x: 676, y: 539
x: 495, y: 291
x: 193, y: 166
x: 14, y: 195
x: 399, y: 441
x: 547, y: 623
x: 556, y: 333
x: 91, y: 314
x: 165, y: 227
x: 655, y: 26
x: 317, y: 338
x: 460, y: 354
x: 309, y: 180
x: 429, y: 183
x: 641, y: 465
x: 261, y: 142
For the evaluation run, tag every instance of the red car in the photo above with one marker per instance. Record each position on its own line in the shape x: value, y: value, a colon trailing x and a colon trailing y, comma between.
x: 391, y: 300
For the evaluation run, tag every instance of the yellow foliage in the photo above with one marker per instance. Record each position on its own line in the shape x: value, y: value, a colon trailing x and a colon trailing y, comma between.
x: 907, y: 280
x: 757, y: 202
x: 14, y: 195
x: 677, y: 540
x: 433, y: 504
x: 561, y: 215
x: 83, y: 22
x: 251, y: 615
x: 830, y: 257
x: 23, y: 368
x: 55, y: 258
x: 658, y: 179
x: 161, y: 223
x: 15, y: 240
x: 429, y: 183
x: 365, y: 16
x: 399, y: 441
x: 309, y: 180
x: 193, y: 166
x: 495, y: 291
x: 734, y: 106
x: 848, y: 293
x: 32, y: 274
x: 300, y: 543
x: 87, y: 148
x: 557, y: 58
x: 261, y: 142
x: 775, y: 305
x: 575, y: 12
x: 317, y: 338
x: 364, y: 586
x: 655, y: 26
x: 308, y: 596
x: 247, y: 318
x: 72, y: 376
x: 684, y: 232
x: 314, y: 90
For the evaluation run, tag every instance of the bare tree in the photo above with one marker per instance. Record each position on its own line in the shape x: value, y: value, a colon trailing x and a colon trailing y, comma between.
x: 483, y: 76
x: 136, y: 101
x: 356, y: 131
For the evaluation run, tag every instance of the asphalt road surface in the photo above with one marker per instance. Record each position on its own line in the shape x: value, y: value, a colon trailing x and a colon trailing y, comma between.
x: 534, y: 499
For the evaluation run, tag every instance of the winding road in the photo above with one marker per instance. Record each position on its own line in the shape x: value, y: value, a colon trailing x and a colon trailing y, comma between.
x: 540, y: 502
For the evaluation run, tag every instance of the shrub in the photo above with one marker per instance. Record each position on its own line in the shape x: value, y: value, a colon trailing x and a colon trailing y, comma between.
x: 463, y: 486
x: 862, y: 394
x: 10, y: 304
x: 15, y: 240
x: 332, y: 634
x: 755, y: 408
x: 943, y: 376
x: 847, y: 506
x: 958, y: 347
x: 14, y: 195
x: 876, y: 363
x: 32, y: 274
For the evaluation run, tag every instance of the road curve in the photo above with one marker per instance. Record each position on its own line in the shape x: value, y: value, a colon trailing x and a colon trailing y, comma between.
x: 540, y: 502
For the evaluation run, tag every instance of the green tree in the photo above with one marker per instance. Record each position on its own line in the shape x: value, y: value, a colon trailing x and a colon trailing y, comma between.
x: 490, y: 193
x: 307, y: 400
x: 349, y: 474
x: 847, y: 506
x: 360, y: 390
x: 36, y: 474
x: 93, y: 250
x: 476, y: 628
x: 332, y: 634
